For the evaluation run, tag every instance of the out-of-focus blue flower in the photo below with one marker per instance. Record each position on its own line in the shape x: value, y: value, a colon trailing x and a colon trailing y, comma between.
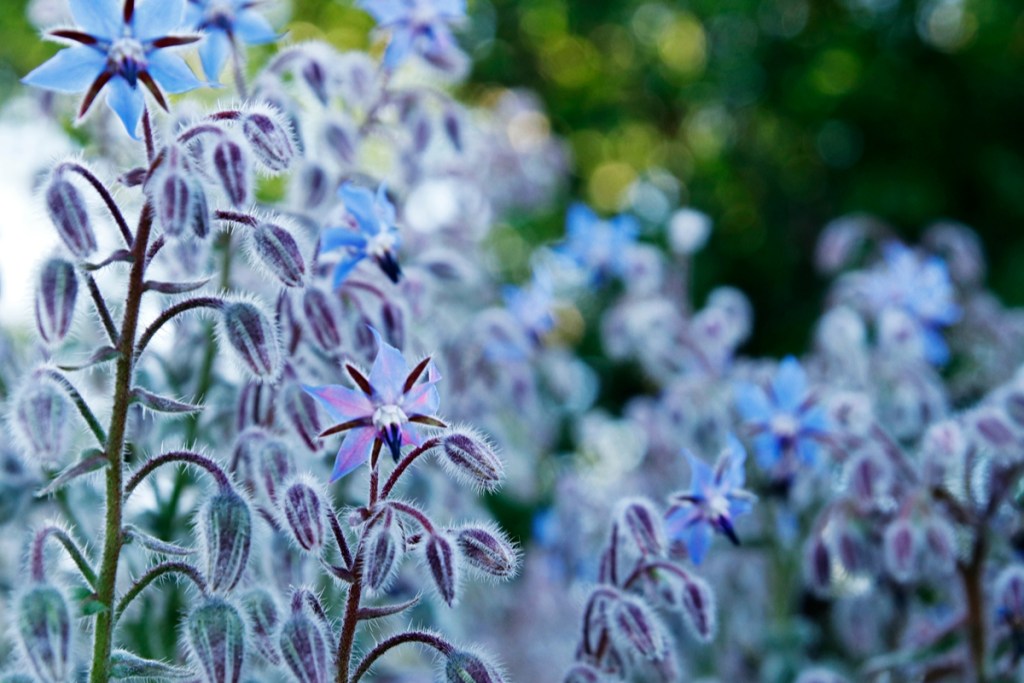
x: 417, y: 26
x: 374, y: 235
x: 716, y: 497
x: 919, y: 286
x: 532, y: 305
x: 223, y: 22
x: 116, y: 47
x: 383, y: 407
x: 786, y: 419
x: 599, y: 246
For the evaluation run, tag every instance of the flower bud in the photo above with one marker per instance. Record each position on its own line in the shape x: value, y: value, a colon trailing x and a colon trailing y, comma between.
x: 280, y: 253
x: 304, y: 649
x: 818, y: 565
x: 1009, y: 596
x: 70, y: 216
x: 899, y: 546
x: 383, y: 541
x: 200, y: 216
x: 264, y: 619
x: 302, y: 414
x: 233, y: 170
x: 305, y: 516
x: 699, y: 608
x: 276, y: 466
x: 245, y: 458
x: 315, y: 76
x: 583, y: 673
x: 634, y: 627
x: 470, y: 458
x: 643, y: 526
x: 442, y: 562
x: 226, y: 528
x: 255, y: 406
x: 44, y: 629
x: 940, y: 542
x: 487, y: 551
x: 869, y: 479
x: 55, y: 300
x: 466, y: 667
x: 172, y: 202
x: 992, y: 429
x: 42, y: 419
x: 849, y: 550
x: 253, y: 338
x: 270, y: 141
x: 341, y: 140
x: 216, y: 634
x: 311, y: 186
x: 321, y: 319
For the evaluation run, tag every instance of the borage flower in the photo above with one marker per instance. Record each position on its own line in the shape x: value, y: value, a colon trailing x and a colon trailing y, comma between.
x: 417, y: 26
x: 599, y: 246
x: 223, y: 22
x: 384, y: 408
x: 716, y: 497
x: 374, y: 235
x: 117, y: 47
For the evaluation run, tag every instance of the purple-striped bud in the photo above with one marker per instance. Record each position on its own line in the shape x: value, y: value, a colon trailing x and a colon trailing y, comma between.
x: 634, y: 627
x: 466, y: 667
x: 942, y: 448
x: 341, y: 140
x: 1009, y: 596
x: 301, y: 412
x: 279, y: 252
x: 311, y: 186
x: 68, y: 211
x: 264, y: 619
x: 488, y: 551
x: 270, y: 140
x: 226, y: 529
x: 699, y: 608
x: 899, y: 548
x: 44, y: 632
x: 256, y: 406
x: 315, y: 76
x: 393, y: 323
x: 993, y: 430
x: 470, y: 458
x: 304, y: 649
x: 384, y: 545
x: 42, y: 419
x: 253, y: 338
x: 304, y: 512
x: 453, y: 128
x: 940, y: 543
x: 321, y: 319
x: 172, y: 198
x: 818, y: 565
x: 276, y: 466
x: 869, y: 479
x: 246, y: 456
x: 642, y: 526
x: 583, y: 673
x: 849, y: 550
x: 55, y: 300
x: 216, y: 634
x: 233, y: 170
x: 200, y: 216
x: 443, y: 564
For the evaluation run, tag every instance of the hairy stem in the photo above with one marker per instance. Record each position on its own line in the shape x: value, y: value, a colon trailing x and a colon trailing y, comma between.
x: 154, y: 573
x: 348, y: 626
x: 422, y: 637
x: 76, y: 554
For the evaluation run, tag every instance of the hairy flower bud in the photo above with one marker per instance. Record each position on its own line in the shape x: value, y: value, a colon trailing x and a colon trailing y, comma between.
x: 699, y: 608
x: 311, y: 186
x: 301, y: 412
x: 264, y: 620
x: 42, y: 419
x: 226, y: 528
x: 643, y: 527
x: 488, y: 551
x: 341, y: 140
x: 172, y: 199
x: 70, y: 216
x: 256, y: 405
x: 583, y: 673
x: 276, y: 466
x: 869, y: 479
x: 940, y: 542
x: 321, y: 319
x: 253, y: 338
x: 473, y: 460
x: 270, y: 141
x: 818, y: 565
x: 634, y: 627
x: 200, y: 215
x: 44, y: 630
x: 280, y: 253
x: 245, y: 458
x: 899, y: 546
x: 466, y: 667
x: 443, y: 564
x: 232, y: 168
x: 304, y: 649
x: 216, y: 634
x: 304, y: 513
x: 382, y: 539
x: 55, y: 300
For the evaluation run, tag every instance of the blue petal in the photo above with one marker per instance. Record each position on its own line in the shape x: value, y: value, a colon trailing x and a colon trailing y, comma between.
x: 72, y: 69
x: 171, y: 72
x: 578, y: 220
x: 344, y: 267
x: 384, y: 209
x: 766, y: 448
x: 341, y: 403
x: 385, y: 11
x: 101, y: 18
x: 398, y: 48
x: 752, y: 403
x: 815, y: 420
x: 701, y: 474
x: 807, y: 451
x: 790, y: 385
x: 739, y: 506
x: 698, y: 540
x: 127, y: 102
x: 157, y: 18
x: 354, y: 451
x: 387, y: 376
x: 452, y: 9
x: 735, y: 475
x: 213, y: 53
x: 337, y: 238
x: 253, y: 28
x: 359, y: 204
x: 935, y: 350
x: 626, y: 227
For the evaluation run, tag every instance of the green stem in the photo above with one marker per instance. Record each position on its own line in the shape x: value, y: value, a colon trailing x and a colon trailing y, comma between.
x: 154, y: 573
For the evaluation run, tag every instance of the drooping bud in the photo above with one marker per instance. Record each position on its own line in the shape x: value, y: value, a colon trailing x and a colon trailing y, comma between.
x: 634, y: 627
x: 276, y: 466
x: 583, y: 673
x: 246, y: 456
x: 270, y: 141
x: 70, y: 216
x: 256, y: 405
x: 818, y: 565
x: 44, y: 631
x: 311, y: 186
x: 469, y: 457
x: 55, y: 300
x: 233, y: 170
x: 849, y: 551
x: 304, y: 648
x: 253, y: 338
x: 993, y: 430
x: 341, y: 140
x: 466, y: 667
x: 280, y: 253
x: 443, y: 564
x: 315, y: 76
x: 321, y: 319
x: 899, y: 546
x: 643, y: 527
x: 869, y: 478
x: 226, y: 528
x: 42, y: 419
x: 1009, y: 596
x: 699, y: 608
x: 940, y: 542
x: 264, y: 620
x: 302, y: 414
x: 216, y: 634
x: 488, y: 551
x: 382, y: 539
x: 200, y: 216
x: 304, y: 513
x: 172, y: 199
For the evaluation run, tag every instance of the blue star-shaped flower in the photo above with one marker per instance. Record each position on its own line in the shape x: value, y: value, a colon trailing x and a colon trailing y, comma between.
x: 417, y: 26
x: 786, y: 419
x: 375, y: 235
x: 223, y: 22
x: 596, y: 245
x: 716, y: 497
x: 118, y: 46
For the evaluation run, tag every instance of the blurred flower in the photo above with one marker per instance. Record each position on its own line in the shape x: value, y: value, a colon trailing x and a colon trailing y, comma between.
x: 377, y: 236
x: 223, y: 22
x: 417, y: 26
x: 599, y: 246
x: 715, y: 499
x: 532, y: 305
x: 118, y: 47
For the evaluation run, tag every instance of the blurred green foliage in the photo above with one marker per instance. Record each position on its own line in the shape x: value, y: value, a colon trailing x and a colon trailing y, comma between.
x: 775, y: 116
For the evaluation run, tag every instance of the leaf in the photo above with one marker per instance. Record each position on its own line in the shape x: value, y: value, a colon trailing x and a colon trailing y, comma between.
x: 175, y: 287
x: 150, y: 542
x: 92, y: 460
x: 91, y: 606
x: 162, y: 404
x: 386, y: 610
x: 125, y: 665
x: 104, y: 354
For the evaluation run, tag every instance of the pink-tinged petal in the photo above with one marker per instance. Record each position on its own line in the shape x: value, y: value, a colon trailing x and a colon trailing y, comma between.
x: 341, y: 403
x: 354, y: 451
x: 411, y: 435
x: 422, y: 399
x: 388, y: 372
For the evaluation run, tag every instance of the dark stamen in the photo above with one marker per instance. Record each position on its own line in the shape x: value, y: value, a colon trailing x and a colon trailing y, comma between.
x: 359, y: 379
x: 415, y: 374
x: 93, y: 91
x: 151, y: 85
x: 129, y: 10
x: 426, y: 420
x: 345, y: 426
x: 77, y: 36
x: 175, y: 41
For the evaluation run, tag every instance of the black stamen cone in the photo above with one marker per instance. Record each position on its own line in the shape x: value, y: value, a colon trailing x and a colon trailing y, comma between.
x: 392, y: 438
x: 389, y: 264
